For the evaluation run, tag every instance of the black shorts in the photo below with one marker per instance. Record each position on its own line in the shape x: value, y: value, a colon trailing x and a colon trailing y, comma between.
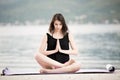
x: 60, y: 57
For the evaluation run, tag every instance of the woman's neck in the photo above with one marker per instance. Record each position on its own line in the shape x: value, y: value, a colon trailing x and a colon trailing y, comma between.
x: 58, y: 34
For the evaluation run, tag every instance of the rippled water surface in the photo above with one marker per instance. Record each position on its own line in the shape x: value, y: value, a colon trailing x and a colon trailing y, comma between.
x: 98, y: 45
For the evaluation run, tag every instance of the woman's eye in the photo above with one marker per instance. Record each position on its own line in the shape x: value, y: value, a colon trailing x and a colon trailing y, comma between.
x: 55, y: 24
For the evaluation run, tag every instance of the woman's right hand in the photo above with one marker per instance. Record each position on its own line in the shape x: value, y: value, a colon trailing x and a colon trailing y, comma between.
x: 57, y: 46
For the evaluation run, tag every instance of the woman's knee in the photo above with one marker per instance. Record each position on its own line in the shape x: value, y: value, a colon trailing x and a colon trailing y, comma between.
x: 76, y: 67
x: 37, y: 56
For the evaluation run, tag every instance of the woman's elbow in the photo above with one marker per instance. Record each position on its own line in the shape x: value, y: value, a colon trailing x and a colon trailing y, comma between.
x: 42, y: 52
x: 76, y: 52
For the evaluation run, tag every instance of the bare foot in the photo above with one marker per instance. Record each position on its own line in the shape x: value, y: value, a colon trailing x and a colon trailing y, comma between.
x: 43, y: 70
x: 71, y: 61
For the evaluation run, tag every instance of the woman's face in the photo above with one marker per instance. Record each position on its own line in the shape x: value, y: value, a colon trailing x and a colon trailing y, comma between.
x: 57, y: 25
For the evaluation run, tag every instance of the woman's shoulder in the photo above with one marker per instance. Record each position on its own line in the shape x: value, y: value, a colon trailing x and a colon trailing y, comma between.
x: 69, y: 34
x: 48, y: 34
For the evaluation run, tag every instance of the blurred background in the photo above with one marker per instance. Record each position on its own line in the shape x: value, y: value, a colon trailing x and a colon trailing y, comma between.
x: 75, y: 11
x: 95, y: 25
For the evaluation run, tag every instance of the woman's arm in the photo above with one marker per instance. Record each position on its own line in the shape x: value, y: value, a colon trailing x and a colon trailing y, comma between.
x: 72, y: 44
x: 43, y: 45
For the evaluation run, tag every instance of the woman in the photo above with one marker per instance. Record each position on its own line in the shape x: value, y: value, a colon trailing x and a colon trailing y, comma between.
x: 55, y: 59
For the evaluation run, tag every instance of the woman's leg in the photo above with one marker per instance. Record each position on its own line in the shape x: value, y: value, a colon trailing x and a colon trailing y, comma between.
x: 71, y: 61
x: 67, y: 69
x: 46, y: 62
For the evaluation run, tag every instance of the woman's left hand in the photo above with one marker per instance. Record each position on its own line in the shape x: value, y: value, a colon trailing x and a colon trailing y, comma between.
x: 59, y: 47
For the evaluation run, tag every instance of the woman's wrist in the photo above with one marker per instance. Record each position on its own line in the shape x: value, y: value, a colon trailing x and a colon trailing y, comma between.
x: 56, y: 50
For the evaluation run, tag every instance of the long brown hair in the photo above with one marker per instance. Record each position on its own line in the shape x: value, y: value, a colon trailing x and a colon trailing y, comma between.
x: 60, y: 18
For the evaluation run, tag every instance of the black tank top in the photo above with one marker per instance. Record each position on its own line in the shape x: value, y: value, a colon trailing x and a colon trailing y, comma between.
x: 51, y: 45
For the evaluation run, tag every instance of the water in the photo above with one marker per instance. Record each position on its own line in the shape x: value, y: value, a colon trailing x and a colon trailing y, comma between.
x: 98, y: 45
x: 75, y: 11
